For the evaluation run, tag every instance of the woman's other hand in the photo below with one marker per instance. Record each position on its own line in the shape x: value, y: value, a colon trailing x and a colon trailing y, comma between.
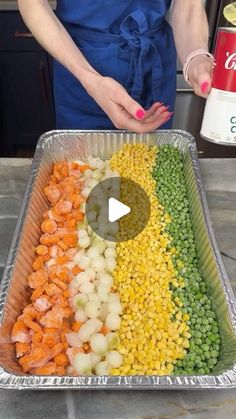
x: 200, y: 75
x: 123, y: 111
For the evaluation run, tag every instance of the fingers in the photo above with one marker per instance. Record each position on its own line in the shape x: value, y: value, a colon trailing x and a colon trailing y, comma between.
x: 131, y: 106
x: 152, y: 110
x: 201, y: 77
x: 128, y: 114
x: 125, y: 121
x: 202, y: 85
x: 145, y: 127
x: 162, y: 111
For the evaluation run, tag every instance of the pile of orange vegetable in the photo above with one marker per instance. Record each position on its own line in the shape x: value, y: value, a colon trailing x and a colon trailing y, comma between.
x: 40, y: 332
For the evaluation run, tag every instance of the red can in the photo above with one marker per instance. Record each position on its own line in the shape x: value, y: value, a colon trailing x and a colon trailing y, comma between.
x: 219, y: 121
x: 224, y: 76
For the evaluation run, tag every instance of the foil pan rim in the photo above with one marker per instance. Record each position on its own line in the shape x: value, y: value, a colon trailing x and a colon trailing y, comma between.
x: 9, y: 381
x: 226, y: 379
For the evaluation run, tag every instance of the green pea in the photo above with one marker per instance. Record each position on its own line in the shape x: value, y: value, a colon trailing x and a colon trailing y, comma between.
x: 205, y: 347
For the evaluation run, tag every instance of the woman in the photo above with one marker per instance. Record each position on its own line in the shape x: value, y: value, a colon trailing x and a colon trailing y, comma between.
x: 115, y: 60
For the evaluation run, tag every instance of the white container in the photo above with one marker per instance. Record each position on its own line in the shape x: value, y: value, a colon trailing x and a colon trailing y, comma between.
x: 219, y: 121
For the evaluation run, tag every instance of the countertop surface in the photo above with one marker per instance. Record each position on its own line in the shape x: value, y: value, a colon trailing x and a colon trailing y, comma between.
x: 220, y: 183
x: 12, y: 4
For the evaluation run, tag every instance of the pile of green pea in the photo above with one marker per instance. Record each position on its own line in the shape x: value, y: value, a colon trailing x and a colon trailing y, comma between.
x: 171, y: 191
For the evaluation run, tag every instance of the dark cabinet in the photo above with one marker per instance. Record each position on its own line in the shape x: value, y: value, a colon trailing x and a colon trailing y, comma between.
x: 26, y: 99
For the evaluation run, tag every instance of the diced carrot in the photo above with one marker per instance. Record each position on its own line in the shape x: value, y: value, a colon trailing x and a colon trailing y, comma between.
x: 57, y: 217
x: 38, y: 357
x: 60, y: 284
x: 55, y: 317
x: 61, y: 371
x: 64, y: 171
x: 49, y: 239
x: 68, y: 313
x: 52, y: 193
x: 42, y: 250
x: 63, y: 274
x: 104, y: 330
x: 37, y: 279
x: 51, y: 339
x: 40, y: 315
x: 71, y: 224
x: 79, y: 215
x: 63, y: 337
x: 59, y: 300
x: 73, y: 197
x: 62, y: 260
x: 68, y: 188
x: 60, y: 170
x: 70, y: 253
x: 67, y: 293
x: 39, y: 262
x: 22, y: 349
x: 48, y: 369
x: 53, y: 180
x: 52, y: 330
x: 62, y: 245
x: 63, y: 207
x: 57, y: 349
x: 76, y: 326
x: 49, y: 226
x: 32, y: 325
x: 24, y: 362
x: 70, y: 216
x: 84, y: 167
x: 70, y: 239
x: 86, y: 347
x: 66, y: 324
x: 52, y: 271
x: 52, y: 289
x: 37, y: 337
x: 74, y: 165
x: 61, y: 359
x: 41, y: 346
x: 76, y: 270
x: 65, y: 345
x: 30, y: 311
x: 37, y: 293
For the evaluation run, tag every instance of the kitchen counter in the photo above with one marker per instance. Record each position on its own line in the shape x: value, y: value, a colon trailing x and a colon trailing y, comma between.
x: 219, y: 177
x: 12, y: 4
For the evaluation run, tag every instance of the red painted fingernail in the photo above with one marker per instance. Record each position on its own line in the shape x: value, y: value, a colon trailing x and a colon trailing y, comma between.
x: 165, y: 108
x: 169, y: 116
x: 204, y: 86
x: 140, y: 114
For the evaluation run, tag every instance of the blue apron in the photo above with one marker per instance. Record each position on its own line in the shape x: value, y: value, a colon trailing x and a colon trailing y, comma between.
x: 127, y: 40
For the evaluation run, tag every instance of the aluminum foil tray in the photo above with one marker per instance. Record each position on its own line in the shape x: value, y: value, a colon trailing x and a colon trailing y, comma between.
x: 57, y: 145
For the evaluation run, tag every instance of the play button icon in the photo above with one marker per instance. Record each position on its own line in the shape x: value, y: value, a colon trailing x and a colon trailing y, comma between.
x: 117, y: 209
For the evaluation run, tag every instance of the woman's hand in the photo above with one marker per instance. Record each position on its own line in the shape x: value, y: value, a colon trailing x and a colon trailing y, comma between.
x: 191, y: 16
x: 123, y: 111
x: 200, y: 75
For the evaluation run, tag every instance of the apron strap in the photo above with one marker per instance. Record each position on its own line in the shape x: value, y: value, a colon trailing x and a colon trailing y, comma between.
x: 143, y: 43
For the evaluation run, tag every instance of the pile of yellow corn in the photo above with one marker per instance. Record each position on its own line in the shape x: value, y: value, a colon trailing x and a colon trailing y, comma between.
x: 153, y: 332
